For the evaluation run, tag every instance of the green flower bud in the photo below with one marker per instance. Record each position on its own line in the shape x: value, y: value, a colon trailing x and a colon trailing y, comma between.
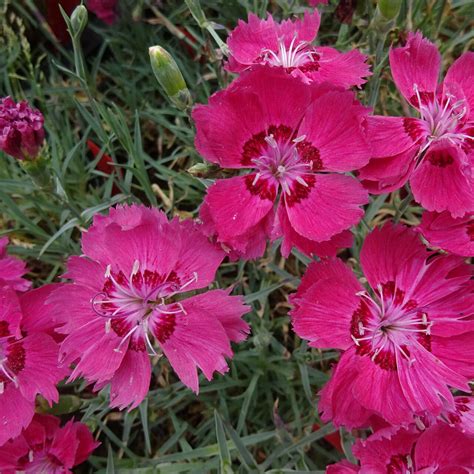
x: 389, y: 8
x: 200, y: 170
x: 79, y: 19
x: 169, y: 77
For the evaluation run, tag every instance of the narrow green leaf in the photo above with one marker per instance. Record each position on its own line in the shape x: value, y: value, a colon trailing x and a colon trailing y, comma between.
x: 143, y: 408
x: 224, y: 454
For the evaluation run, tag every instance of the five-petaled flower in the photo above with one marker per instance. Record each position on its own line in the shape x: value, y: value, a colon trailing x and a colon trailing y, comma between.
x: 404, y: 340
x: 435, y: 152
x: 291, y: 138
x: 45, y: 447
x: 410, y: 450
x: 128, y: 295
x: 288, y: 45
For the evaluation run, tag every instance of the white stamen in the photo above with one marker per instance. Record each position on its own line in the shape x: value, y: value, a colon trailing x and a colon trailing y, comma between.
x: 419, y: 424
x: 117, y: 349
x: 135, y: 268
x: 299, y: 139
x: 271, y: 141
x: 301, y: 181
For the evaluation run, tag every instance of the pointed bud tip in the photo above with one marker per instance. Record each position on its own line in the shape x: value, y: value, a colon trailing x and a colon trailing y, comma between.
x: 169, y: 76
x: 79, y: 18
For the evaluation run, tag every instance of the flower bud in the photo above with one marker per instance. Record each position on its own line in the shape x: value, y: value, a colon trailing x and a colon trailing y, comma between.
x: 21, y: 129
x: 169, y: 77
x: 200, y: 170
x: 79, y: 19
x: 389, y: 8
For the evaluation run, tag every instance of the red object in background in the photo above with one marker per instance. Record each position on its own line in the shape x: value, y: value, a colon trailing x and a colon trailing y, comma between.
x: 345, y: 10
x: 56, y: 21
x: 106, y: 10
x: 105, y: 164
x: 334, y: 439
x: 189, y: 49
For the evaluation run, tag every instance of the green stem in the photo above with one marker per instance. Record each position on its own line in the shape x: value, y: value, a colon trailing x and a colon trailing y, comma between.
x: 403, y: 206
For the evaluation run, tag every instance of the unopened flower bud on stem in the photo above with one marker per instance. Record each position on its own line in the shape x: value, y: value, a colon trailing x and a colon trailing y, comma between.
x: 169, y: 76
x: 22, y: 137
x: 79, y: 20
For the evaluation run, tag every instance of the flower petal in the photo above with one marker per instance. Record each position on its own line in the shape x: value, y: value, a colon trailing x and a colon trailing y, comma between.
x: 416, y: 64
x: 391, y: 136
x: 291, y: 238
x: 198, y: 340
x: 333, y: 120
x: 337, y: 404
x: 334, y: 296
x: 425, y: 380
x: 15, y: 413
x: 387, y: 174
x: 131, y: 382
x: 443, y: 181
x: 341, y: 69
x: 392, y: 253
x: 455, y: 235
x: 461, y: 73
x: 445, y: 447
x: 236, y: 204
x: 379, y: 390
x: 327, y: 207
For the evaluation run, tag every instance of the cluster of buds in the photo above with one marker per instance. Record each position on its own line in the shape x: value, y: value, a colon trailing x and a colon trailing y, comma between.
x: 21, y: 129
x: 22, y: 137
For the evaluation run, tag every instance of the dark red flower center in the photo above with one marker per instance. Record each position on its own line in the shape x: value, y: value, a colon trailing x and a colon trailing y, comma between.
x: 387, y: 325
x: 12, y: 357
x: 140, y: 304
x: 470, y: 230
x: 282, y: 161
x: 398, y: 464
x: 443, y: 117
x: 441, y: 158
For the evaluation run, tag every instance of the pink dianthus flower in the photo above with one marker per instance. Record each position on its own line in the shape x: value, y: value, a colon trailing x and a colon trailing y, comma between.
x: 291, y: 139
x: 21, y: 129
x: 288, y: 45
x: 404, y: 342
x: 435, y: 152
x: 44, y: 447
x: 129, y: 290
x: 28, y: 359
x: 439, y: 449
